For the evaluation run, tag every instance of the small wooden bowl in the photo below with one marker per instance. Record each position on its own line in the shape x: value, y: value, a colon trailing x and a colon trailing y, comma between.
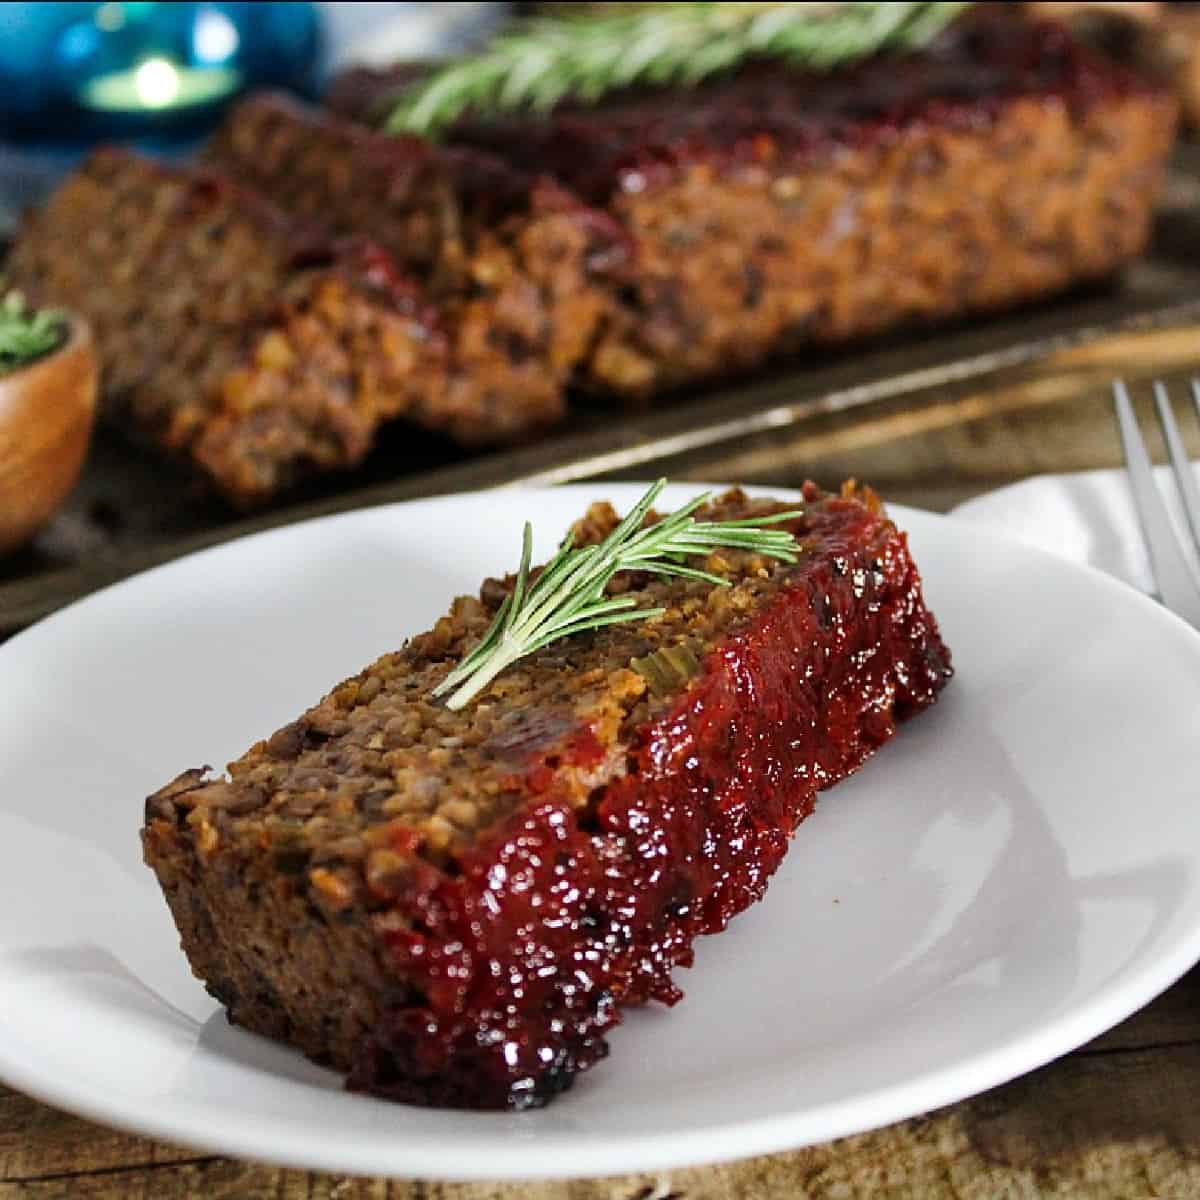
x: 47, y: 410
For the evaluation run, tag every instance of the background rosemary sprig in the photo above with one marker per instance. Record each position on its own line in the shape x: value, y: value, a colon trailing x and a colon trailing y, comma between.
x: 542, y: 62
x: 568, y: 596
x: 26, y: 334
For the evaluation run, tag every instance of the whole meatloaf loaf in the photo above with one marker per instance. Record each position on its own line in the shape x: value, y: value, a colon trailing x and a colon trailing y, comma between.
x: 251, y: 342
x: 777, y: 208
x: 452, y: 907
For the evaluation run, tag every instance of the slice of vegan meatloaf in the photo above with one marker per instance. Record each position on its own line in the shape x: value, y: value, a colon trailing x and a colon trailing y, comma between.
x: 452, y: 906
x: 776, y: 208
x: 229, y: 335
x: 521, y: 271
x: 252, y: 343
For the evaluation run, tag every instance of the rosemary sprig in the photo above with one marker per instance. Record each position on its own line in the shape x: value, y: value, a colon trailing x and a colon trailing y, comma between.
x: 568, y: 596
x: 27, y: 334
x: 542, y: 62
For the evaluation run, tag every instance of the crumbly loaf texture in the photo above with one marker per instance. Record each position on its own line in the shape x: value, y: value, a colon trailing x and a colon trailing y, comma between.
x: 251, y: 343
x: 777, y: 209
x: 243, y: 342
x: 520, y: 269
x: 453, y: 907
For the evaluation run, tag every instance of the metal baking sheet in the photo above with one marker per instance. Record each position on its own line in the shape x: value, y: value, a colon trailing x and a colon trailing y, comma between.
x: 131, y: 511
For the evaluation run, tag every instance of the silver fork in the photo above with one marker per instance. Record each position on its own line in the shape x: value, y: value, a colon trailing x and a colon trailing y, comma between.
x: 1177, y: 584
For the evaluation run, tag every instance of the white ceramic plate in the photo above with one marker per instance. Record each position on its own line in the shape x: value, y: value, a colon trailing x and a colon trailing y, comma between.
x: 1017, y: 871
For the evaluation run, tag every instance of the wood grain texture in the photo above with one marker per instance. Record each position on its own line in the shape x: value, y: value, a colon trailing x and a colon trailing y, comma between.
x: 941, y: 446
x: 1117, y: 1119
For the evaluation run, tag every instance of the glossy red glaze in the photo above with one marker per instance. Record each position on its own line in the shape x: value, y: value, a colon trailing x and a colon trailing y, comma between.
x: 524, y: 955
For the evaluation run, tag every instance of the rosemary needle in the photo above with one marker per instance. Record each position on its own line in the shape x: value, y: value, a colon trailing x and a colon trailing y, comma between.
x: 568, y: 596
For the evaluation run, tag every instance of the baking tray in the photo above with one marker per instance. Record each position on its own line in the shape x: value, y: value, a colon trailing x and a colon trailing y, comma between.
x: 131, y: 511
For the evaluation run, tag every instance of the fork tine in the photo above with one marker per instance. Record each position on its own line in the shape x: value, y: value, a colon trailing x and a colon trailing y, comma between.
x: 1176, y: 585
x: 1185, y: 476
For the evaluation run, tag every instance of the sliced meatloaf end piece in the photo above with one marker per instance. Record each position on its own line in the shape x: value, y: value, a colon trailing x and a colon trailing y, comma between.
x: 453, y: 906
x: 238, y: 339
x: 246, y: 341
x: 776, y: 209
x: 520, y: 268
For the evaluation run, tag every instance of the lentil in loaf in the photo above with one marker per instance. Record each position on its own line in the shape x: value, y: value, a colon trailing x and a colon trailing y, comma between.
x: 453, y: 907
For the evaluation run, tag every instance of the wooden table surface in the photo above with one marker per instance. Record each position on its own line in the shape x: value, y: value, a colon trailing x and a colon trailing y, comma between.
x: 1119, y: 1117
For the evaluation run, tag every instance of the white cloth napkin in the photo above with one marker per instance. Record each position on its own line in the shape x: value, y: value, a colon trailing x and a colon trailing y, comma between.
x: 1087, y: 516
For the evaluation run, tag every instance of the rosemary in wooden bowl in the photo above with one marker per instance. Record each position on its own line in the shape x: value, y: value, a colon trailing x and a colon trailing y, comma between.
x: 48, y: 379
x: 27, y: 334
